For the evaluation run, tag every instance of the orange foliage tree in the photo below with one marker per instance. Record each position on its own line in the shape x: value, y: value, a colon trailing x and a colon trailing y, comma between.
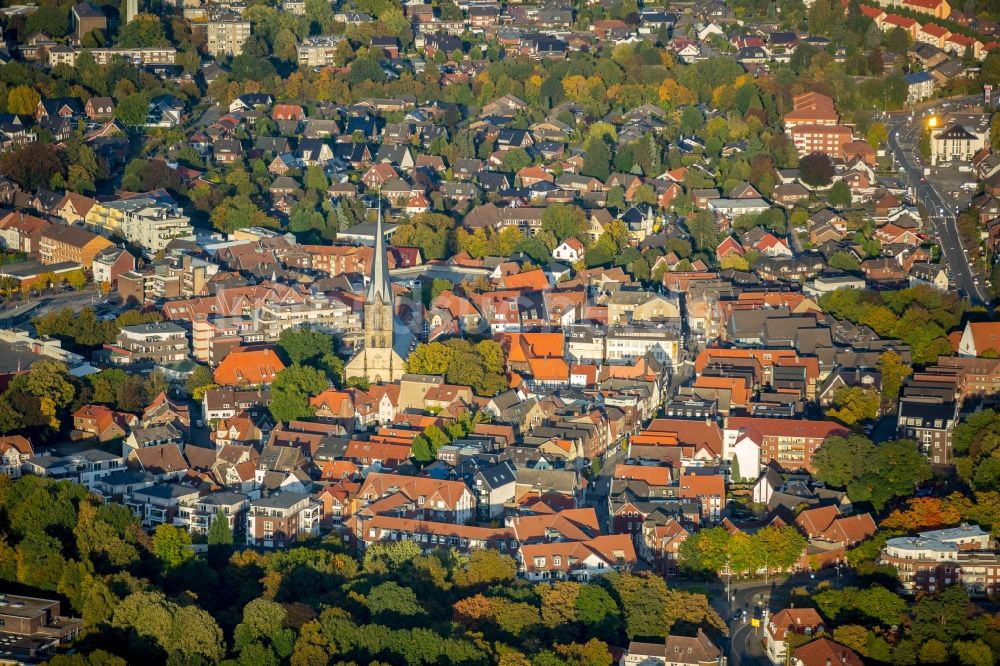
x: 923, y: 513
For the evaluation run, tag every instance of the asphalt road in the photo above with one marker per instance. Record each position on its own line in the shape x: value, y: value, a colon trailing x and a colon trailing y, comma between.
x: 745, y: 646
x: 903, y: 142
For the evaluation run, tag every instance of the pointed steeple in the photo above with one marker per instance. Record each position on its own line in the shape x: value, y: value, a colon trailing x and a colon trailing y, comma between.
x: 379, y: 286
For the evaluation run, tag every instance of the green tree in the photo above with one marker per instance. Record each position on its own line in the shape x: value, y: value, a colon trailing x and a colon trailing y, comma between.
x: 898, y: 41
x: 565, y: 221
x: 200, y: 380
x: 439, y: 285
x: 291, y: 390
x: 132, y: 109
x: 705, y: 551
x: 894, y: 372
x: 844, y: 261
x: 839, y: 195
x: 892, y: 470
x: 219, y: 532
x: 389, y: 599
x: 485, y: 567
x: 933, y: 652
x: 597, y: 611
x: 429, y: 359
x: 315, y: 180
x: 515, y: 159
x: 704, y: 231
x: 304, y: 345
x: 319, y: 14
x: 430, y: 232
x: 142, y: 31
x: 171, y: 545
x: 597, y: 160
x: 839, y: 460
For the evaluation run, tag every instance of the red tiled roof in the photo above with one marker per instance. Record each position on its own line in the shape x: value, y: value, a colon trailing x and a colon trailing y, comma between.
x: 249, y: 365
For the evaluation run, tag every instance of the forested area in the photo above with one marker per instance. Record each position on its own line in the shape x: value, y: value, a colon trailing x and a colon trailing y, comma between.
x: 148, y: 599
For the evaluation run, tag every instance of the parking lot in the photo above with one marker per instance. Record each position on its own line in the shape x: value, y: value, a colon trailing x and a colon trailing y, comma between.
x: 949, y: 180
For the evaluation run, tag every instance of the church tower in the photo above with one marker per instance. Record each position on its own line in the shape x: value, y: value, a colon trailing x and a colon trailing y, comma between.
x: 379, y: 301
x: 379, y: 360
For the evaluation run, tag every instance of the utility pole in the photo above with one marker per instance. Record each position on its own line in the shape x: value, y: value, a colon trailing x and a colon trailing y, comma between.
x: 729, y: 579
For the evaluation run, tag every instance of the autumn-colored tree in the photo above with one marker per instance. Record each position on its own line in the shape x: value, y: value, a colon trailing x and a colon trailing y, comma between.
x: 22, y: 100
x: 559, y: 603
x: 922, y: 513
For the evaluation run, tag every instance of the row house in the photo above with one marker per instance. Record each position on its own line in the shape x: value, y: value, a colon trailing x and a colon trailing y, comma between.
x: 23, y: 233
x: 826, y: 525
x: 577, y: 560
x: 226, y: 403
x: 659, y: 544
x: 103, y: 422
x: 434, y: 499
x: 63, y: 243
x: 430, y: 535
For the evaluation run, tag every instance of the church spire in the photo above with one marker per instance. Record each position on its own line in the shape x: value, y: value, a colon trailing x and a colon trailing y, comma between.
x: 379, y: 286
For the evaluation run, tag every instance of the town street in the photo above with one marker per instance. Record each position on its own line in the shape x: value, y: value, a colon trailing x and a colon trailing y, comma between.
x: 904, y: 138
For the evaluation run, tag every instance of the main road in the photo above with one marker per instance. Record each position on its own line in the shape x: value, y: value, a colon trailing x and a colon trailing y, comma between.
x: 903, y: 142
x: 745, y: 641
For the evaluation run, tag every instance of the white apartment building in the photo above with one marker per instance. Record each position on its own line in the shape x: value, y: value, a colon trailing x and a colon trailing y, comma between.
x: 278, y: 520
x: 315, y: 311
x: 318, y: 50
x: 152, y: 226
x: 162, y: 342
x: 585, y: 344
x: 227, y: 35
x: 157, y: 55
x: 148, y: 222
x: 197, y: 516
x: 627, y: 344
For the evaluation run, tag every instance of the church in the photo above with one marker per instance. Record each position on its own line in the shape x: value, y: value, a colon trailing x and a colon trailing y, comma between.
x: 381, y: 360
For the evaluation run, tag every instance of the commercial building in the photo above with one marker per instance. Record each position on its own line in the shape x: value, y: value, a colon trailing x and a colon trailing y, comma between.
x: 31, y: 629
x: 627, y: 344
x: 936, y: 559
